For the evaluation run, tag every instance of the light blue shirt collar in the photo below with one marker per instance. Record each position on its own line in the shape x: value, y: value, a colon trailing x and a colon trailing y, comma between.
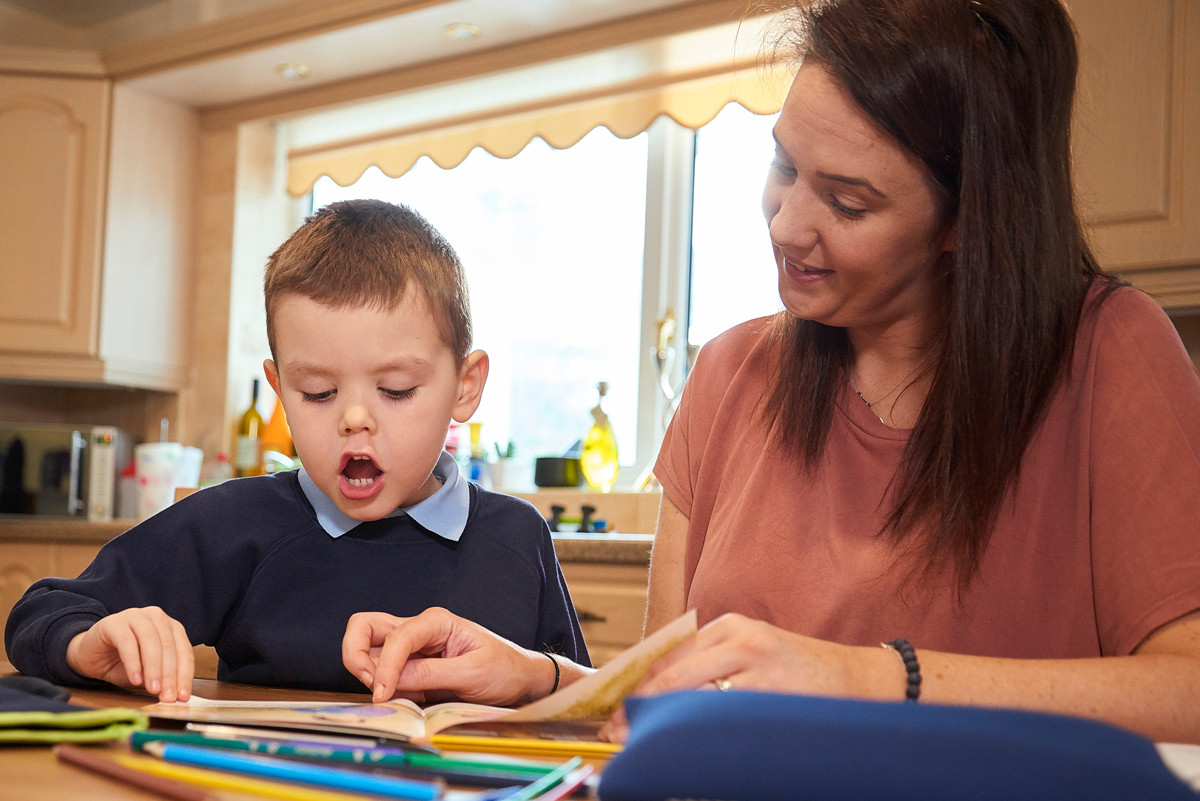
x: 444, y: 512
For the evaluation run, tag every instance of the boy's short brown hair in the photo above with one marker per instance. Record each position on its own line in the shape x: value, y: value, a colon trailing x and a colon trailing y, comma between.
x: 365, y: 253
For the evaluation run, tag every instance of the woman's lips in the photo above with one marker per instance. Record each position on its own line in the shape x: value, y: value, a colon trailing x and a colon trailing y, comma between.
x: 802, y: 273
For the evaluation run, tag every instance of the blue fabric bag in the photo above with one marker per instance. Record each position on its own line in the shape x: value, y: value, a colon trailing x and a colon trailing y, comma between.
x: 747, y: 746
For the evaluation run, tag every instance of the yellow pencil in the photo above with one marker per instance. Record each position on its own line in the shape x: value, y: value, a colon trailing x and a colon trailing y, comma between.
x: 521, y: 745
x: 226, y: 781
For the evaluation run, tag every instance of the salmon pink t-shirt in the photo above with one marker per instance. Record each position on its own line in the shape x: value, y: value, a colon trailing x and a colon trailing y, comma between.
x: 1097, y: 546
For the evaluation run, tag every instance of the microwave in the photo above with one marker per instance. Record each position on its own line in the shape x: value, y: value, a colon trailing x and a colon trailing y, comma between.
x: 62, y: 470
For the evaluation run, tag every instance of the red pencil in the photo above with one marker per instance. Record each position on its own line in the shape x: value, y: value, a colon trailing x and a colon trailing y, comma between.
x: 165, y: 787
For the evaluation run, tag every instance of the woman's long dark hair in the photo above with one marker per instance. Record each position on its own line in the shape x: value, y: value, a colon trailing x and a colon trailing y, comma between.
x: 981, y: 92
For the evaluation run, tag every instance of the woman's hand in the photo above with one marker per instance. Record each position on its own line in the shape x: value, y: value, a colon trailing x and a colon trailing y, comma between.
x: 135, y: 648
x: 438, y: 655
x: 736, y: 652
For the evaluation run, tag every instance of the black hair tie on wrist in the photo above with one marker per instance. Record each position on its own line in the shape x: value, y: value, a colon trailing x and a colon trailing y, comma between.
x: 908, y: 655
x: 557, y: 672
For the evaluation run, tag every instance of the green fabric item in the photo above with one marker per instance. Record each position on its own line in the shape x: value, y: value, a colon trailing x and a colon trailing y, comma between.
x: 90, y: 726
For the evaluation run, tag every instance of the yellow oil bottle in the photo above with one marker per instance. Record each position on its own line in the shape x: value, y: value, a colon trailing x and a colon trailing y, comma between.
x: 599, y: 458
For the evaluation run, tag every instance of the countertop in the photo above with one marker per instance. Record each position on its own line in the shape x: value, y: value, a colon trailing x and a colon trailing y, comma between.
x: 625, y: 549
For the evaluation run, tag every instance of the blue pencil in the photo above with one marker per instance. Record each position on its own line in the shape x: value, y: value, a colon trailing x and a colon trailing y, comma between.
x: 296, y: 771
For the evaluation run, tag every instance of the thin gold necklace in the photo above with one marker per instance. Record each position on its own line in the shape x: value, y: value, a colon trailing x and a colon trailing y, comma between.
x: 885, y: 395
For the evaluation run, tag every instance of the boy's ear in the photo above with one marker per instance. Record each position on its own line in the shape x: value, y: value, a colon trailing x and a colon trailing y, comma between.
x: 272, y: 376
x: 471, y: 378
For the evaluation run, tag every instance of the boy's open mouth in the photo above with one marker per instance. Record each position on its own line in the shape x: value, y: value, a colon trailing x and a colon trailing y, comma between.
x: 360, y: 471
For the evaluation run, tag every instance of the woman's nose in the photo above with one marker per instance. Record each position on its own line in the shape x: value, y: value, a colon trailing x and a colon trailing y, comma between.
x: 792, y: 219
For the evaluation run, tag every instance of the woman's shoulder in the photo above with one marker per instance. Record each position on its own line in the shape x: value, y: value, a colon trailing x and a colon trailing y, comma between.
x: 726, y: 353
x: 1122, y: 316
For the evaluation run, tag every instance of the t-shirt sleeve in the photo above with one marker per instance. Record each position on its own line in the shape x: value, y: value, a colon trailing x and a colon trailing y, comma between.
x: 684, y: 444
x: 1145, y: 473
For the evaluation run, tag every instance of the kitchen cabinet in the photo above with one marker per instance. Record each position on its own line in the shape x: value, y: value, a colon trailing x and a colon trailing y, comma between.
x: 611, y: 603
x: 53, y: 157
x: 95, y: 218
x: 1137, y: 141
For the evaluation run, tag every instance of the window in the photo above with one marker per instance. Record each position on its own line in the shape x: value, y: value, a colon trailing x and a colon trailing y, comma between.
x: 568, y: 271
x: 733, y: 276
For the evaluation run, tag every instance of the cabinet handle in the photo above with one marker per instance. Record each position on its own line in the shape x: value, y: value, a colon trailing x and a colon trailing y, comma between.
x: 589, y: 617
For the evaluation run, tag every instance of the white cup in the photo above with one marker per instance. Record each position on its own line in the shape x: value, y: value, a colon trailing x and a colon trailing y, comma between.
x: 158, y: 464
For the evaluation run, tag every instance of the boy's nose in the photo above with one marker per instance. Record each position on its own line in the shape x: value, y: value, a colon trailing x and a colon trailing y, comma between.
x: 356, y: 418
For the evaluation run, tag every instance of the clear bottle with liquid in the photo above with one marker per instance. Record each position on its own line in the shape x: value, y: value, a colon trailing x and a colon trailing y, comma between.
x: 599, y: 456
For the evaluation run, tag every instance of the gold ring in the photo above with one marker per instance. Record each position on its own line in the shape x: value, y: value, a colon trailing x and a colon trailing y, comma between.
x: 724, y: 685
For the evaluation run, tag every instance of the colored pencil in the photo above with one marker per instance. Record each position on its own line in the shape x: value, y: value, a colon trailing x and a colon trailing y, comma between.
x: 354, y: 781
x: 452, y: 769
x: 543, y: 784
x: 570, y: 783
x: 526, y: 746
x: 228, y: 781
x: 114, y: 770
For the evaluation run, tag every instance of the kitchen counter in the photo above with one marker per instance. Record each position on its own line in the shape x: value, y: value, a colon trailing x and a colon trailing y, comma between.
x: 621, y: 549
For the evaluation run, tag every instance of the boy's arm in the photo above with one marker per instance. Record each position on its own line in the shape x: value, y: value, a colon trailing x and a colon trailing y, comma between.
x: 164, y: 562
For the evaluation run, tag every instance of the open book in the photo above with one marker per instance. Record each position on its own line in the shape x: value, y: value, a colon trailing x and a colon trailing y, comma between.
x: 595, y: 696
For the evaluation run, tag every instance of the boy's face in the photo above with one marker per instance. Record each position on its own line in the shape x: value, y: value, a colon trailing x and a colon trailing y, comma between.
x: 369, y: 396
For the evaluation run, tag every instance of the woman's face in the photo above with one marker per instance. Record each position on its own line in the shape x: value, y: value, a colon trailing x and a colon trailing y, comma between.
x: 854, y: 223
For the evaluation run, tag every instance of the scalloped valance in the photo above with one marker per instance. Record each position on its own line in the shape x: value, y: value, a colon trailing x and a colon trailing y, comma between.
x: 691, y: 99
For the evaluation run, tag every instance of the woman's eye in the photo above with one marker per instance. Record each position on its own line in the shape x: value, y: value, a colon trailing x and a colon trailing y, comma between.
x: 398, y: 394
x: 318, y: 397
x: 783, y: 168
x: 841, y: 208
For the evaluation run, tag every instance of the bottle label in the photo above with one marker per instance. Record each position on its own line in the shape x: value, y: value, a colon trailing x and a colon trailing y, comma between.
x: 247, y: 453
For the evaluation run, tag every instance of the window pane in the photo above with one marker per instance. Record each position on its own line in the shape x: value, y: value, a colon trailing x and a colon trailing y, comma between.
x: 733, y: 270
x: 552, y: 244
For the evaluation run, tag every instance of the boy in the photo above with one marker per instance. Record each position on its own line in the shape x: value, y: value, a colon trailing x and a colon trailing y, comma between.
x: 370, y: 333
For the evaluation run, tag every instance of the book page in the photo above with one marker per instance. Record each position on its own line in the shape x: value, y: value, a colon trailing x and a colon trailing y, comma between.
x: 398, y: 718
x: 601, y: 694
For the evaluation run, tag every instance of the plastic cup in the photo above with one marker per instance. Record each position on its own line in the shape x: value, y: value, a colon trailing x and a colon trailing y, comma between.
x: 157, y: 466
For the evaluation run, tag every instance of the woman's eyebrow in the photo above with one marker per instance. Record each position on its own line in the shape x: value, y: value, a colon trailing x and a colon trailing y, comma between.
x: 845, y: 179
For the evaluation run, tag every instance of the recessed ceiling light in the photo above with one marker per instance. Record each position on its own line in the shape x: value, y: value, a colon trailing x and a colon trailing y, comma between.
x: 292, y: 72
x: 462, y: 31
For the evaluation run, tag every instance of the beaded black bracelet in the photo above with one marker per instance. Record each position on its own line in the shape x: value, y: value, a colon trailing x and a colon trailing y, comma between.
x: 908, y: 655
x: 557, y: 672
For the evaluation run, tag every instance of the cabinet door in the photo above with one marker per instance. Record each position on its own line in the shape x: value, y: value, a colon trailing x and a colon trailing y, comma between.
x: 21, y: 564
x: 1137, y: 140
x: 53, y: 140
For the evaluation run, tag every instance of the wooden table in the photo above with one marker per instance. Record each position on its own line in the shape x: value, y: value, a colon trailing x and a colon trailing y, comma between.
x: 32, y: 773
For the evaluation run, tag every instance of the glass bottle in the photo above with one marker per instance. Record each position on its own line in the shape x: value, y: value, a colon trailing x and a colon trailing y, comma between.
x: 276, y: 441
x: 599, y: 458
x: 248, y: 454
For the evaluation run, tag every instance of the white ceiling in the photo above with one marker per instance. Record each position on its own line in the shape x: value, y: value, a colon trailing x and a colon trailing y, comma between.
x: 377, y: 46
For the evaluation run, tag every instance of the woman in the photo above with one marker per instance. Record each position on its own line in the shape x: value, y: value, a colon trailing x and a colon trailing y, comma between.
x: 959, y: 432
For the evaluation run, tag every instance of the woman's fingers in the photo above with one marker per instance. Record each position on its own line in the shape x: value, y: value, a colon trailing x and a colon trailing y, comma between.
x: 424, y: 634
x: 363, y: 641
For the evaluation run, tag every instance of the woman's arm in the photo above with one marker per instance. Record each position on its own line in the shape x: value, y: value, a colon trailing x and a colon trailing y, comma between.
x: 665, y: 599
x: 1155, y: 691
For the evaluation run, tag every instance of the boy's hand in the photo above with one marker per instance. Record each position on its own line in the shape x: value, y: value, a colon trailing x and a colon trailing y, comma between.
x: 135, y: 648
x: 440, y: 655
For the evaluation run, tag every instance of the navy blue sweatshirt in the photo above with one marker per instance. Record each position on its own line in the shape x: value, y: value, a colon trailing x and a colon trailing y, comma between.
x: 246, y: 568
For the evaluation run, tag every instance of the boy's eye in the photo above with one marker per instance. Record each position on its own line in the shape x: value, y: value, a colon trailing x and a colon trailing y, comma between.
x: 398, y: 394
x: 318, y: 397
